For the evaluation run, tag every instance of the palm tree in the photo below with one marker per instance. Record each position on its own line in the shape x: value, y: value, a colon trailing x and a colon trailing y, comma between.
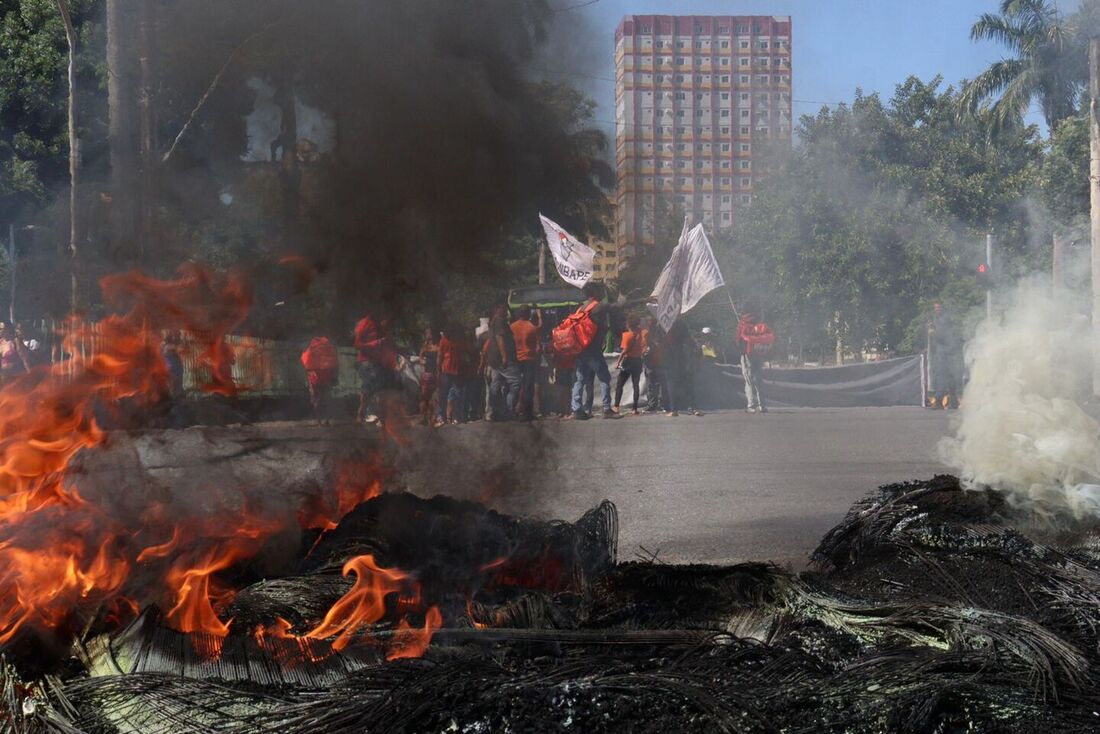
x: 1044, y: 64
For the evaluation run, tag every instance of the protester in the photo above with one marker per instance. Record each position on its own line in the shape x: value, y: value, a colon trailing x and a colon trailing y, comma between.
x: 430, y: 378
x: 35, y: 353
x: 321, y: 362
x: 501, y: 361
x: 590, y: 362
x: 451, y: 393
x: 471, y: 383
x: 752, y: 340
x: 630, y: 362
x: 653, y: 362
x: 376, y: 363
x: 682, y: 364
x: 526, y: 331
x: 562, y: 377
x: 13, y: 355
x: 170, y: 350
x: 946, y: 360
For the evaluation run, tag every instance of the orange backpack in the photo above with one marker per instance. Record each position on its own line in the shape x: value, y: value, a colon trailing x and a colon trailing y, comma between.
x: 576, y: 331
x: 320, y: 356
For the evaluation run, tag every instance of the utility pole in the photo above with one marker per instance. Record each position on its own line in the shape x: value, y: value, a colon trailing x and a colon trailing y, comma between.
x: 1094, y: 201
x: 74, y: 154
x: 989, y: 266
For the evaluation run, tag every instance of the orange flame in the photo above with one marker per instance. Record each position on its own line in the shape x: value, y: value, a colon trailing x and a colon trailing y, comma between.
x: 365, y: 604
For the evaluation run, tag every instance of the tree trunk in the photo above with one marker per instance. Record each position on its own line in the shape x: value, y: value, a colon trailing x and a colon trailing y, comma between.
x: 149, y: 163
x: 122, y: 127
x: 74, y: 156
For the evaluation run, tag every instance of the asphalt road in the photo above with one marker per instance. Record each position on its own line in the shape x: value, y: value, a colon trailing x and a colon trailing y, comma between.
x: 722, y: 488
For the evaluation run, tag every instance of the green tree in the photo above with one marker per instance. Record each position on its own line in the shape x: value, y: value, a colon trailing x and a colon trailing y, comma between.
x: 881, y: 208
x: 1047, y: 63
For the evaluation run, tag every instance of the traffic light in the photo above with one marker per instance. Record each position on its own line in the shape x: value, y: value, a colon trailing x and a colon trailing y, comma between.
x: 984, y: 276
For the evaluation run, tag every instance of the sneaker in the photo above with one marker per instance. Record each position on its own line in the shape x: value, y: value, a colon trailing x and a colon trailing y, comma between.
x: 580, y: 415
x: 372, y: 418
x: 697, y: 413
x: 610, y: 414
x: 635, y: 412
x: 750, y: 410
x: 672, y: 413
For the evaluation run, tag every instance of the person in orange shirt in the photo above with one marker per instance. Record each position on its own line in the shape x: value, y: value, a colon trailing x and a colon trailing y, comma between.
x: 630, y: 361
x: 451, y: 348
x: 526, y: 333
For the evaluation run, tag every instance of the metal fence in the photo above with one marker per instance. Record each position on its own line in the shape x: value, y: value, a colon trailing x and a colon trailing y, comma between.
x: 260, y: 367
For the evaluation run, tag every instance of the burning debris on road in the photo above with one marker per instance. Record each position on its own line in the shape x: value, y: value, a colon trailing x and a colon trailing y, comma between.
x: 930, y: 608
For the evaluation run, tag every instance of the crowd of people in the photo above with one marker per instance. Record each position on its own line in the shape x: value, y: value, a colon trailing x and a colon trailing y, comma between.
x: 508, y: 368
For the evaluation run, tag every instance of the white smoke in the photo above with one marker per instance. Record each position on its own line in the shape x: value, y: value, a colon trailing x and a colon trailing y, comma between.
x: 1021, y: 429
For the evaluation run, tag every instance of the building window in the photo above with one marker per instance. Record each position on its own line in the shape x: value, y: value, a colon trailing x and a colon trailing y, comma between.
x: 744, y: 130
x: 681, y: 164
x: 698, y: 44
x: 745, y: 180
x: 744, y: 96
x: 744, y: 61
x: 679, y: 44
x: 680, y: 181
x: 679, y: 146
x: 679, y: 113
x: 725, y: 181
x: 764, y: 45
x: 646, y: 29
x: 744, y: 79
x: 725, y: 62
x: 740, y: 29
x: 679, y: 131
x: 744, y: 147
x: 725, y: 147
x: 679, y: 77
x: 725, y: 164
x: 660, y: 77
x: 744, y: 164
x: 725, y: 131
x: 726, y: 199
x: 679, y: 60
x: 725, y: 216
x: 698, y: 164
x: 698, y: 79
x: 723, y: 29
x: 680, y: 95
x: 725, y: 95
x: 725, y: 79
x: 698, y: 112
x: 698, y: 95
x: 745, y: 198
x: 725, y: 44
x: 744, y: 114
x: 744, y: 44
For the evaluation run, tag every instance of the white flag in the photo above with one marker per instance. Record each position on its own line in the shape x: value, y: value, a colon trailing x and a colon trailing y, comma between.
x: 691, y: 273
x: 572, y: 257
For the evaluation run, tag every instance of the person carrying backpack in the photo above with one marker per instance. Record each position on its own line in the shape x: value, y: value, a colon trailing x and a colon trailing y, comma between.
x: 321, y: 362
x: 754, y: 340
x: 583, y: 334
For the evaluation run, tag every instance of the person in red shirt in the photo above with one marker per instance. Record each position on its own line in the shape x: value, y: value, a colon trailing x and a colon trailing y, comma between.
x: 429, y: 376
x: 375, y: 362
x: 526, y: 333
x: 320, y: 361
x: 630, y: 361
x: 451, y: 358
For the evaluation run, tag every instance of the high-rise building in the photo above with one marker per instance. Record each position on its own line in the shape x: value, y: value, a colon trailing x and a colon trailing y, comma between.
x: 695, y: 97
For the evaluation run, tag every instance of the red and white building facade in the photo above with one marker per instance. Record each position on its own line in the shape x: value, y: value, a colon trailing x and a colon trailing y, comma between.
x: 695, y: 97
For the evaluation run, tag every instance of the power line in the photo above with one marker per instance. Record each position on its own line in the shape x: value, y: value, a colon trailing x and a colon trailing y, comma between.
x: 575, y: 7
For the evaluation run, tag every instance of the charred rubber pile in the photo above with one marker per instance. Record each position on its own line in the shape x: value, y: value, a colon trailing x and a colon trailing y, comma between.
x: 930, y: 608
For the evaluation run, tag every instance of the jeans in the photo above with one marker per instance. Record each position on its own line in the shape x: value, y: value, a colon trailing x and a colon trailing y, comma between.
x: 451, y: 392
x: 505, y: 392
x: 753, y: 399
x: 631, y: 369
x: 657, y: 387
x: 591, y: 364
x: 528, y: 371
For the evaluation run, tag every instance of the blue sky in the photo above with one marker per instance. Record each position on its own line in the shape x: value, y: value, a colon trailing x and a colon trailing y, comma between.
x: 838, y: 45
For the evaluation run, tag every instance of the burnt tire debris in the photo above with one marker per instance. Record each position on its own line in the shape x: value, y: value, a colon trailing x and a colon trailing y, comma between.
x: 928, y: 609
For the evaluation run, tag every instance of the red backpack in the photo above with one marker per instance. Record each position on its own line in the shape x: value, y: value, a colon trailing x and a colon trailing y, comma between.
x: 576, y: 331
x: 321, y: 357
